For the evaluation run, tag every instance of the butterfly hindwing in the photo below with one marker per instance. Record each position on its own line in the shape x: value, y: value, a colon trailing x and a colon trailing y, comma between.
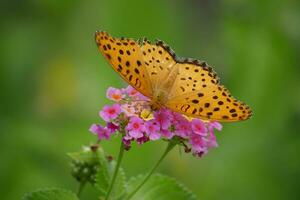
x: 126, y: 59
x: 196, y: 92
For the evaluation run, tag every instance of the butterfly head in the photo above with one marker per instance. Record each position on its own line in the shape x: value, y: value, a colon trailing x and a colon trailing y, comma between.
x: 158, y: 100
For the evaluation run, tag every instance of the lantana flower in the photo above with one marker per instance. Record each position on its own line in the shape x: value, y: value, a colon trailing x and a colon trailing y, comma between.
x: 199, y: 127
x: 109, y: 113
x: 100, y: 131
x: 152, y: 129
x: 133, y: 118
x: 163, y: 117
x: 114, y: 94
x: 135, y: 127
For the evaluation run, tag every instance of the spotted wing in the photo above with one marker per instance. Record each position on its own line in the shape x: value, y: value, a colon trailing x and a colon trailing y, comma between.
x: 158, y: 61
x: 197, y: 92
x: 125, y: 56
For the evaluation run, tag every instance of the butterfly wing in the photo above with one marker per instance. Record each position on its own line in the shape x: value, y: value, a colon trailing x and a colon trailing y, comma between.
x: 158, y: 63
x: 197, y: 92
x: 125, y: 56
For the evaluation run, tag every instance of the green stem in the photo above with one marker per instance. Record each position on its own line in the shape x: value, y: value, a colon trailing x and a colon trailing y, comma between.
x: 80, y: 188
x: 120, y: 156
x: 168, y: 149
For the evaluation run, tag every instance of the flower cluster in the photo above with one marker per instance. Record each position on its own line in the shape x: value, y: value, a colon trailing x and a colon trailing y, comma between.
x: 131, y: 115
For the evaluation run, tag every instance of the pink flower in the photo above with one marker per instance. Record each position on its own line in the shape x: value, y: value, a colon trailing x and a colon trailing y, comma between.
x: 211, y: 127
x: 214, y: 125
x: 112, y: 127
x: 114, y: 94
x: 127, y: 141
x: 177, y: 117
x: 163, y: 117
x: 152, y: 129
x: 142, y: 140
x: 135, y: 127
x: 109, y: 113
x: 198, y: 127
x: 102, y: 132
x: 198, y: 143
x: 130, y: 91
x: 94, y: 128
x: 128, y: 109
x: 128, y: 137
x: 134, y: 94
x: 166, y: 133
x: 183, y: 128
x: 212, y: 141
x: 141, y: 97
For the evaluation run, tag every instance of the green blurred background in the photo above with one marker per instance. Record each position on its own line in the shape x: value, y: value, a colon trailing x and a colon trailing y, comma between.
x: 53, y: 82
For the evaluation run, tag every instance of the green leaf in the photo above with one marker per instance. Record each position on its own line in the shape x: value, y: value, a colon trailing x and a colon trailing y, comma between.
x: 50, y: 194
x: 104, y: 177
x: 159, y: 187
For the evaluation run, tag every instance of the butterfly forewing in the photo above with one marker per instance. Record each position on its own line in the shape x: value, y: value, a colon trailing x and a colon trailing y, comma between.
x: 158, y: 63
x: 125, y: 56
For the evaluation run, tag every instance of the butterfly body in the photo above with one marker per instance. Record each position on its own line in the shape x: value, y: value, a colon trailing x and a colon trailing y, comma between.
x: 187, y: 86
x: 161, y: 93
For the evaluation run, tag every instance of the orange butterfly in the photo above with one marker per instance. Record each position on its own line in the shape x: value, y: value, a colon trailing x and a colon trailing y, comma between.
x: 183, y: 85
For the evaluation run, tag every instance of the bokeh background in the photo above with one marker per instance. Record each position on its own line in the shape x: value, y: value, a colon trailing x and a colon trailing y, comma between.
x: 53, y: 82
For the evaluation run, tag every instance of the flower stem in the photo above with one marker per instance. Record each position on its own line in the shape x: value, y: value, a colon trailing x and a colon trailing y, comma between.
x: 80, y: 188
x: 168, y: 149
x: 120, y: 156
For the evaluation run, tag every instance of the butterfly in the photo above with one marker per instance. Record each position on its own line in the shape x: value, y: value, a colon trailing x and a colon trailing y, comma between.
x: 183, y: 85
